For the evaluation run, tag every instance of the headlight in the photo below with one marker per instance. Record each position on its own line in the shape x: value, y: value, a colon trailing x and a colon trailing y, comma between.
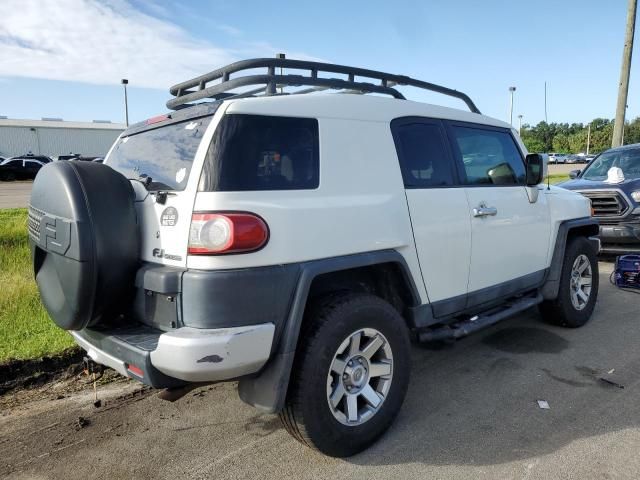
x: 636, y: 195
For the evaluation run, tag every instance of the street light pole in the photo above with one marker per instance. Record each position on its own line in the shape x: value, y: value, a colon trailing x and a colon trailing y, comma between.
x: 126, y: 104
x: 520, y: 125
x: 511, y: 89
x: 588, y: 137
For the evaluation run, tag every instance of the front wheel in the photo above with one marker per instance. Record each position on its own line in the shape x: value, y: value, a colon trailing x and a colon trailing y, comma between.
x: 350, y: 376
x: 578, y: 290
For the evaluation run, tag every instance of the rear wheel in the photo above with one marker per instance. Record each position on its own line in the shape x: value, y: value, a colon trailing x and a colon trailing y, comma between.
x: 350, y: 376
x: 578, y: 289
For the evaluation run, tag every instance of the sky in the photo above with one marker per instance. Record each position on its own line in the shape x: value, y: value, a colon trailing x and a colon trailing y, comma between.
x: 65, y: 58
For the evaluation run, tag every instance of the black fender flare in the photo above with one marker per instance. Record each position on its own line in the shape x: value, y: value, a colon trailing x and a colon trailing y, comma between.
x: 590, y: 227
x: 268, y: 389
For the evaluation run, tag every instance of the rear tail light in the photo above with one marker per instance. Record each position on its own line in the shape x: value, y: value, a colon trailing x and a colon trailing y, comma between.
x: 220, y: 233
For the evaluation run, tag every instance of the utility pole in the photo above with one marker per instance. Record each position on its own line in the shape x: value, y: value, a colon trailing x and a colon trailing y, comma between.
x: 623, y: 88
x: 588, y: 137
x: 124, y: 82
x: 520, y: 125
x: 511, y: 89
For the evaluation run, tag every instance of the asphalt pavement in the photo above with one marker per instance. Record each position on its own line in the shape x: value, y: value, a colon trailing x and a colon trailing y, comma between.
x: 14, y: 194
x: 471, y: 412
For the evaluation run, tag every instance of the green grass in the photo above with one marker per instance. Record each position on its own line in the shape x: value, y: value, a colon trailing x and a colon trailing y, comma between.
x: 26, y: 331
x: 557, y: 177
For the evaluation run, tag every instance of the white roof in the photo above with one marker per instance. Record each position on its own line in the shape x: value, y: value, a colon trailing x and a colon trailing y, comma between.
x: 355, y: 107
x: 11, y: 122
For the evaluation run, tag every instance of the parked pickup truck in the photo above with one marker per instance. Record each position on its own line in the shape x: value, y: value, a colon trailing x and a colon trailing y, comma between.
x: 611, y: 182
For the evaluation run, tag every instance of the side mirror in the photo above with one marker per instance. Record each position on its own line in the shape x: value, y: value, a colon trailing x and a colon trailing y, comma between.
x: 535, y: 169
x: 574, y: 173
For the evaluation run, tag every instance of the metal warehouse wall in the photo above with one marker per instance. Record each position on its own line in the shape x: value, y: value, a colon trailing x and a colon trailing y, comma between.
x: 55, y: 141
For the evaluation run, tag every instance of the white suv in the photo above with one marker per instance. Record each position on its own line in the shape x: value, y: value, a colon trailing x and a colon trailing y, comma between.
x: 297, y: 242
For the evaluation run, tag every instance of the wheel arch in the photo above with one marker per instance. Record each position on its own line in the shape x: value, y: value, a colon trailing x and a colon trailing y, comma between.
x: 580, y: 227
x: 361, y: 272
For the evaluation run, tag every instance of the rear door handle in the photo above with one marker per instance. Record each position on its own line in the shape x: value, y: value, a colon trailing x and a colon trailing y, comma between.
x: 483, y: 211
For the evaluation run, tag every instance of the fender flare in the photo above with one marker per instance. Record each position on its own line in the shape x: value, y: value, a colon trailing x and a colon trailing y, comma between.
x: 552, y: 282
x: 267, y: 391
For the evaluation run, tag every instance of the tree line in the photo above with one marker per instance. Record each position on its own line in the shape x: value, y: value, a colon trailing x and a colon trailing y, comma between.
x: 572, y: 138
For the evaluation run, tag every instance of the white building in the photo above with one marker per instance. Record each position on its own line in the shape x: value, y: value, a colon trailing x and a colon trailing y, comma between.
x: 56, y: 137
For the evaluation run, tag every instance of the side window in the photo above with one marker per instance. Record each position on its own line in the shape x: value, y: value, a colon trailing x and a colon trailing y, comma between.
x: 32, y: 164
x: 489, y: 157
x: 15, y: 163
x: 255, y: 152
x: 424, y: 161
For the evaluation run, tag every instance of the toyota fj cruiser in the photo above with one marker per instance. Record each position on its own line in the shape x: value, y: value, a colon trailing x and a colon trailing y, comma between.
x: 295, y: 240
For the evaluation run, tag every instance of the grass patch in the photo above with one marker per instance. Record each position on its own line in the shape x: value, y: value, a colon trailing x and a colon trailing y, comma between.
x: 557, y: 178
x: 26, y: 331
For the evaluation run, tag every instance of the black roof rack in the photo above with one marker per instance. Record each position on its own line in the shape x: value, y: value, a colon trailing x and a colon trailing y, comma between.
x: 197, y: 88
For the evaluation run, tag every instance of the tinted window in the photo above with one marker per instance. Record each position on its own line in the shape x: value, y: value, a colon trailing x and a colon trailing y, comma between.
x: 253, y: 152
x: 32, y: 164
x: 165, y: 154
x: 490, y: 157
x: 15, y: 163
x: 423, y: 156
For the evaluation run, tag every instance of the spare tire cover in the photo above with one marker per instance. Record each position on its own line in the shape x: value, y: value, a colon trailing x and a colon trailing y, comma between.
x: 84, y: 241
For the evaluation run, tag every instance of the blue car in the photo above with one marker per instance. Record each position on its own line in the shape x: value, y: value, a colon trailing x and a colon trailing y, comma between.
x: 612, y: 182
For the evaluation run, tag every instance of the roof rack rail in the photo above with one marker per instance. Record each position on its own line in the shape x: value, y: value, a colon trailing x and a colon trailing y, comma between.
x: 197, y: 89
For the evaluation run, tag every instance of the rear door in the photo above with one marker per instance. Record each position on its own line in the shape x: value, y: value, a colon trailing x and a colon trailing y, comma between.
x: 510, y: 233
x: 438, y: 209
x: 163, y: 161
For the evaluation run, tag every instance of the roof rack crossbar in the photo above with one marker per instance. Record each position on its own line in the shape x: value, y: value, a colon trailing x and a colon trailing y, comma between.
x: 197, y: 89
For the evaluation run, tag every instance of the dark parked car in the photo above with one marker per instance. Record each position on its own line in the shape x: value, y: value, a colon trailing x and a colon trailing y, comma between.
x: 612, y: 182
x: 31, y: 156
x: 20, y: 169
x: 71, y: 156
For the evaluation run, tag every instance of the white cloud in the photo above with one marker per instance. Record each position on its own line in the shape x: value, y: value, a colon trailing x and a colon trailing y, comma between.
x: 103, y: 42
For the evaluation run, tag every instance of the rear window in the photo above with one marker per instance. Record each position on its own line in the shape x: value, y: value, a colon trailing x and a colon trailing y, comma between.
x: 164, y: 154
x: 255, y: 152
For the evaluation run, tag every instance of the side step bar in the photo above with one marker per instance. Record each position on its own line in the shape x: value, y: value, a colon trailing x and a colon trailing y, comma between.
x: 478, y: 322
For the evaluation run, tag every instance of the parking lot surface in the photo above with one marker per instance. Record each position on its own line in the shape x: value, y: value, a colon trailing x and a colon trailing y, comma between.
x: 471, y: 412
x: 14, y: 194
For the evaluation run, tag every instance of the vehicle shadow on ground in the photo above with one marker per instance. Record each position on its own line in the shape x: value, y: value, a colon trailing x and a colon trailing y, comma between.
x: 475, y: 402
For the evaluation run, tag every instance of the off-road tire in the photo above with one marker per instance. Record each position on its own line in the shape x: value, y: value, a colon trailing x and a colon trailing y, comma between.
x: 561, y: 310
x: 307, y: 415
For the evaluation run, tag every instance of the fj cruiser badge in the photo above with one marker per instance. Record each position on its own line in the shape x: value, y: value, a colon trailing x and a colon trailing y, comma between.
x: 169, y: 217
x: 159, y: 253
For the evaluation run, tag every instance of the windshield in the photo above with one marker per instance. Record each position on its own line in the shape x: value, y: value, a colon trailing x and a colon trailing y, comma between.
x: 164, y: 154
x: 627, y: 160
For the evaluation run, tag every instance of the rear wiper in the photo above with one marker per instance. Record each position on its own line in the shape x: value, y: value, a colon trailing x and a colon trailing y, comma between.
x: 161, y: 196
x: 144, y: 179
x: 159, y: 189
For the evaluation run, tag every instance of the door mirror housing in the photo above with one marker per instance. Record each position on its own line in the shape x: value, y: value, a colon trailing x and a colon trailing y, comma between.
x: 574, y: 173
x: 535, y: 169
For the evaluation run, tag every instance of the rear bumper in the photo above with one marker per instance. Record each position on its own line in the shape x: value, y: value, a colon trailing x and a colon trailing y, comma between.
x: 185, y: 355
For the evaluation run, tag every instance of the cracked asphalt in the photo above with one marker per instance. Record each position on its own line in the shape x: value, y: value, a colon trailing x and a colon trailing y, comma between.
x: 471, y: 413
